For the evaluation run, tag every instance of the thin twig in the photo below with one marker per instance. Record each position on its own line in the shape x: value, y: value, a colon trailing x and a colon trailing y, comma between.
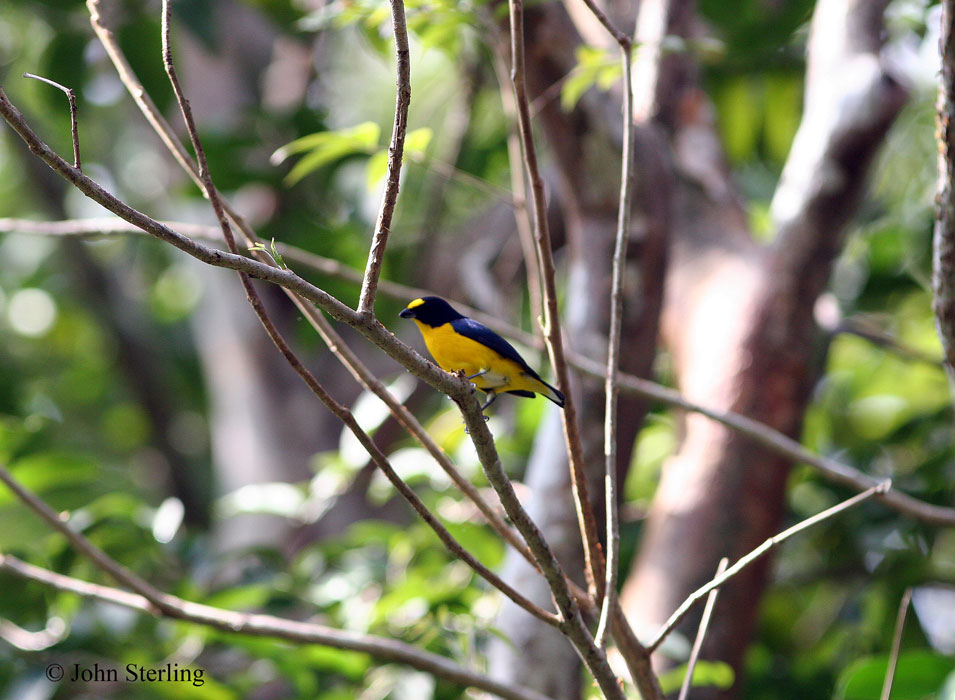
x: 74, y: 128
x: 618, y: 36
x: 761, y: 550
x: 896, y: 644
x: 205, y: 177
x: 613, y: 336
x: 231, y: 622
x: 532, y: 265
x: 701, y: 633
x: 866, y: 330
x: 369, y: 288
x: 593, y: 556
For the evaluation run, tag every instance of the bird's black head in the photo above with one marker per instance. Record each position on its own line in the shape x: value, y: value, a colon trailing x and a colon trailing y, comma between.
x: 432, y: 311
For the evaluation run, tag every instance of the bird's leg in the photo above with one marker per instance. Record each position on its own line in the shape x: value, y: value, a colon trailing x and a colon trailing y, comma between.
x: 477, y: 374
x: 491, y: 395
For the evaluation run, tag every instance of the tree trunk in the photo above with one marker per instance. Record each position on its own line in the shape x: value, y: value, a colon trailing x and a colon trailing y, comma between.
x: 739, y: 322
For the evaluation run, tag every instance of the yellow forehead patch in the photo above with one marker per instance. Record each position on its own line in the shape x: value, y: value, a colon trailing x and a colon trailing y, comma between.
x: 415, y: 303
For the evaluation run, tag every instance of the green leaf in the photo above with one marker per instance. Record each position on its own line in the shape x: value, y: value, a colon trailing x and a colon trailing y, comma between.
x: 594, y: 67
x: 249, y: 597
x: 717, y: 674
x: 741, y: 115
x: 417, y: 141
x: 376, y: 168
x: 326, y: 147
x: 919, y: 674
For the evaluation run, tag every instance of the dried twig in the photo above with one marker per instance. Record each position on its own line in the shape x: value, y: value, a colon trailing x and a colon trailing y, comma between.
x: 700, y: 634
x: 369, y: 287
x: 74, y: 128
x: 896, y: 644
x: 760, y: 551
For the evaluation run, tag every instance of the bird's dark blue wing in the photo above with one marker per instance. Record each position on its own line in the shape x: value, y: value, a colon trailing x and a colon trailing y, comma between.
x: 480, y: 333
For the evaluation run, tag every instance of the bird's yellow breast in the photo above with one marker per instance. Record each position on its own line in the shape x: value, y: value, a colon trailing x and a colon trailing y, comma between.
x: 453, y: 351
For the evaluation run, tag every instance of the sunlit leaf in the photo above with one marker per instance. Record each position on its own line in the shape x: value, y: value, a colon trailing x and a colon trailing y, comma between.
x: 919, y: 674
x: 417, y: 140
x: 376, y: 168
x: 715, y: 674
x: 326, y: 147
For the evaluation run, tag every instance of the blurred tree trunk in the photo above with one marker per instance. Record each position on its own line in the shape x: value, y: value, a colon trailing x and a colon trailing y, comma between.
x: 738, y: 316
x: 739, y: 320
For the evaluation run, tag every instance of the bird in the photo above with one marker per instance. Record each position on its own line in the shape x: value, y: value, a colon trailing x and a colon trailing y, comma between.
x: 458, y: 343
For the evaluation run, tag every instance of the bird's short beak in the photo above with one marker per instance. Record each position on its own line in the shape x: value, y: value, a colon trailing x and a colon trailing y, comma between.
x: 406, y: 313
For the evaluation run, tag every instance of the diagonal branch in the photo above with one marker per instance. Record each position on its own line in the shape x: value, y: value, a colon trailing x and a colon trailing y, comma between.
x: 389, y: 650
x: 756, y: 554
x: 700, y: 634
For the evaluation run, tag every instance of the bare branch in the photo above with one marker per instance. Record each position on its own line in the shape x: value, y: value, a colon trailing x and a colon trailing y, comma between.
x: 74, y: 129
x: 384, y: 649
x: 896, y: 644
x: 28, y: 640
x: 366, y: 302
x: 622, y: 39
x: 701, y: 633
x: 532, y: 265
x: 119, y: 572
x: 616, y: 324
x: 760, y: 551
x: 552, y: 330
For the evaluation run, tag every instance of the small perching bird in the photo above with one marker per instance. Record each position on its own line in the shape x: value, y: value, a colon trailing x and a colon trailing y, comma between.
x: 458, y: 343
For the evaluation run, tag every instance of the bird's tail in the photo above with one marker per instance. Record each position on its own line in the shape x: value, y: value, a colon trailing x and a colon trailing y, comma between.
x: 553, y: 394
